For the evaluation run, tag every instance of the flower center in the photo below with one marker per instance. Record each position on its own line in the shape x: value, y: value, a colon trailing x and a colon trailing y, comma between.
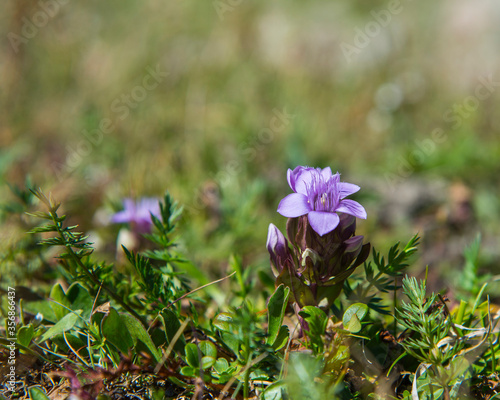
x: 323, y: 195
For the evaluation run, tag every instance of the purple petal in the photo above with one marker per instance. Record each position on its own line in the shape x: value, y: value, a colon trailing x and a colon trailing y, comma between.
x: 323, y: 222
x: 121, y: 217
x: 353, y: 245
x: 276, y: 245
x: 272, y: 237
x: 326, y: 173
x: 290, y: 176
x: 303, y: 180
x: 148, y: 206
x: 294, y: 205
x: 352, y: 207
x: 347, y: 189
x: 129, y: 205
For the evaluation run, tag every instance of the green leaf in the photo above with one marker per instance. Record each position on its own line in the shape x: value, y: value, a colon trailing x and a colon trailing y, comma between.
x: 193, y: 353
x: 192, y: 357
x: 353, y: 316
x: 96, y: 318
x: 259, y: 375
x: 221, y: 365
x: 80, y: 299
x: 44, y: 228
x: 208, y: 348
x: 207, y: 362
x: 236, y: 264
x: 274, y: 391
x: 188, y: 371
x: 469, y: 275
x: 39, y: 214
x: 57, y: 294
x: 461, y: 312
x: 65, y: 324
x: 276, y: 311
x: 316, y: 318
x: 25, y: 334
x: 172, y: 324
x: 282, y: 338
x: 354, y: 324
x: 37, y: 394
x: 317, y: 321
x: 301, y: 293
x: 223, y: 321
x: 231, y: 341
x: 115, y: 331
x: 43, y: 307
x: 458, y: 366
x: 138, y: 333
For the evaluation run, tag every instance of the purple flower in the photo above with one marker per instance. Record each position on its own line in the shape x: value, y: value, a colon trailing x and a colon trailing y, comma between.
x: 320, y: 195
x: 138, y: 214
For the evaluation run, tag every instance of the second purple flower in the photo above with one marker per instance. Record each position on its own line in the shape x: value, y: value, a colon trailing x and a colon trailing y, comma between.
x: 138, y: 214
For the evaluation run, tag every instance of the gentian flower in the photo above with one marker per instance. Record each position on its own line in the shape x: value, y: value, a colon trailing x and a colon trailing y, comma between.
x: 320, y: 195
x: 138, y: 214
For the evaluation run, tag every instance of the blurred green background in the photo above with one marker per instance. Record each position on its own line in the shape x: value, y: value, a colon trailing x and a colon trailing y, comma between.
x: 214, y: 100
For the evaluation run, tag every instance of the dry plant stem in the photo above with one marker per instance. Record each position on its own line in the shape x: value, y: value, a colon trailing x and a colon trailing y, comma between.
x: 448, y: 314
x: 446, y: 393
x: 171, y: 345
x: 247, y: 367
x: 201, y: 287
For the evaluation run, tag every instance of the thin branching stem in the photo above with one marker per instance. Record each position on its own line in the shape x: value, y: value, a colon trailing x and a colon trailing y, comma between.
x: 57, y: 223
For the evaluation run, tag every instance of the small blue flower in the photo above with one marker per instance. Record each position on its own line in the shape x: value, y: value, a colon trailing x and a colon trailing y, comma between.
x: 320, y: 195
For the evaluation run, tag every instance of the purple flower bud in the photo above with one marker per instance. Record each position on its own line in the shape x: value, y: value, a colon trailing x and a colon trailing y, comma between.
x: 277, y: 246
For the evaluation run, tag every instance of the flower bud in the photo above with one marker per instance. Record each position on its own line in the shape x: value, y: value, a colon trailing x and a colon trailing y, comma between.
x: 277, y: 246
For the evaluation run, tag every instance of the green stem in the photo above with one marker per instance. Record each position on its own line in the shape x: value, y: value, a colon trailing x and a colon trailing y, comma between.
x: 395, y: 305
x: 94, y: 279
x: 247, y: 379
x: 367, y: 289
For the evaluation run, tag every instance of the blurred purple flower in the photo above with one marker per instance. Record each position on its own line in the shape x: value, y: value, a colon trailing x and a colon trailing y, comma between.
x: 320, y: 195
x: 138, y: 214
